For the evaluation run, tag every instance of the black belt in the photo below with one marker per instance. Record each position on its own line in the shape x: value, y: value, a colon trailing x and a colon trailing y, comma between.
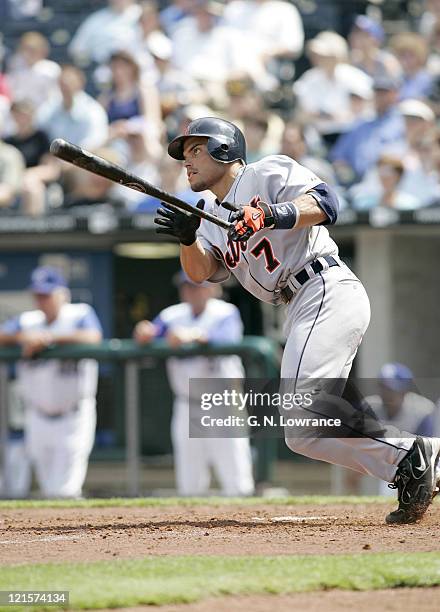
x: 303, y: 276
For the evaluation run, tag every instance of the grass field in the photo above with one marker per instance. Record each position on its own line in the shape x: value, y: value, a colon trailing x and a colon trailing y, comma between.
x: 148, y: 502
x: 163, y: 578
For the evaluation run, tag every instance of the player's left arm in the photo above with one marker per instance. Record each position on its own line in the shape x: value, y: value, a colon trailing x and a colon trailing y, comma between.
x: 296, y: 198
x: 317, y: 206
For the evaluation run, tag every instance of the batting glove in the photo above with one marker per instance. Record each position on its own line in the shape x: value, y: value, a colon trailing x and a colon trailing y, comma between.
x: 250, y: 219
x: 177, y: 223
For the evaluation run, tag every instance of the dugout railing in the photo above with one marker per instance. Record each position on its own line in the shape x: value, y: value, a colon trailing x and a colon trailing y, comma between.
x: 262, y: 356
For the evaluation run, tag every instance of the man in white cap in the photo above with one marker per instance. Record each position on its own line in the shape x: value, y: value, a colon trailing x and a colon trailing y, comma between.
x: 421, y: 178
x: 324, y: 91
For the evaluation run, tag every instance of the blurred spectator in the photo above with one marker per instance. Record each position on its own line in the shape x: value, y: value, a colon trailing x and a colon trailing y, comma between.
x: 388, y: 192
x: 411, y: 50
x: 173, y: 180
x: 140, y: 161
x: 201, y: 318
x: 273, y: 27
x: 24, y: 9
x: 433, y: 62
x: 59, y: 395
x: 105, y: 31
x: 148, y: 29
x: 323, y: 92
x: 178, y: 122
x: 125, y: 98
x: 360, y: 101
x: 208, y: 50
x: 130, y: 96
x: 77, y: 117
x: 435, y: 154
x: 12, y: 167
x: 5, y: 90
x: 85, y: 188
x: 172, y: 15
x: 244, y: 98
x: 33, y: 144
x: 294, y: 144
x: 30, y: 74
x: 420, y: 178
x: 359, y: 149
x: 176, y: 88
x: 430, y: 17
x: 365, y: 39
x: 255, y: 130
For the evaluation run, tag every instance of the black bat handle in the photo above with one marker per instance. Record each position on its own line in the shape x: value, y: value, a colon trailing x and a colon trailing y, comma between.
x: 88, y: 161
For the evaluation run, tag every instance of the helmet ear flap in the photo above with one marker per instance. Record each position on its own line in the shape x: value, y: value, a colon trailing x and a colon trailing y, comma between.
x: 219, y: 150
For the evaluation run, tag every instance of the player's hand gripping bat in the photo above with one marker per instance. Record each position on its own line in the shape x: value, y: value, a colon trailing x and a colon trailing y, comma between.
x: 88, y: 161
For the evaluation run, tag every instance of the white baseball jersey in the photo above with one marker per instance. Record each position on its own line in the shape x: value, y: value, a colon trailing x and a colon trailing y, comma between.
x: 220, y: 322
x: 328, y: 316
x: 193, y: 457
x: 263, y: 264
x: 55, y: 386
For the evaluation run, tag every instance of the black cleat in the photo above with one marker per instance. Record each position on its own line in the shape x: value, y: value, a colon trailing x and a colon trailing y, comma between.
x: 416, y: 481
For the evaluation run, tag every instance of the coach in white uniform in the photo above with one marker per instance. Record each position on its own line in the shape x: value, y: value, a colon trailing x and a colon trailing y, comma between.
x: 202, y: 318
x: 59, y: 395
x: 280, y: 251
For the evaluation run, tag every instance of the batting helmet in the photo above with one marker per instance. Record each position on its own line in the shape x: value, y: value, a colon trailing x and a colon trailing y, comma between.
x: 226, y: 142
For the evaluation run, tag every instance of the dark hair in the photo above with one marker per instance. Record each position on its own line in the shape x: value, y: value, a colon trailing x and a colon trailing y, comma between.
x: 23, y: 106
x: 129, y: 58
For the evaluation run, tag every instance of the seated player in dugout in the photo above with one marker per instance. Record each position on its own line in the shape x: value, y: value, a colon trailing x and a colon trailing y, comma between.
x: 280, y: 250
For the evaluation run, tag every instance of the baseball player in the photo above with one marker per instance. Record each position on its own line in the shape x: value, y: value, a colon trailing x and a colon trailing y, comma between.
x: 281, y: 252
x: 201, y: 317
x: 59, y: 396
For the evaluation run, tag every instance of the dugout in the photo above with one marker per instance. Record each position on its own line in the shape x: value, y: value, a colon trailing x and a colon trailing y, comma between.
x: 119, y: 265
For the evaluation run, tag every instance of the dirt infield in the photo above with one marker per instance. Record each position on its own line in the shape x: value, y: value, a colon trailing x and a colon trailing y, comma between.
x: 391, y: 600
x: 89, y: 534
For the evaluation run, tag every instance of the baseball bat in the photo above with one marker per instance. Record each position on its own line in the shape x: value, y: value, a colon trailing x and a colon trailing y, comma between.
x: 88, y: 161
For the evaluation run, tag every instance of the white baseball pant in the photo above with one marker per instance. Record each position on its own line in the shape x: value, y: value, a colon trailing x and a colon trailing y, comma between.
x: 325, y: 323
x: 59, y: 448
x: 230, y: 458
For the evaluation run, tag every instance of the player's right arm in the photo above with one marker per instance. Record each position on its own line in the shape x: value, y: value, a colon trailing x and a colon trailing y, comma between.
x: 199, y: 263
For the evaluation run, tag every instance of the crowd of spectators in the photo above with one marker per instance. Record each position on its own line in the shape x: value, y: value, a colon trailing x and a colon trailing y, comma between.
x: 361, y: 110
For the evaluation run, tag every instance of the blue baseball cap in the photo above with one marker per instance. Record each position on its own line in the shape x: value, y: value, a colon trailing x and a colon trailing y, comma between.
x: 46, y: 280
x: 396, y: 376
x: 372, y: 27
